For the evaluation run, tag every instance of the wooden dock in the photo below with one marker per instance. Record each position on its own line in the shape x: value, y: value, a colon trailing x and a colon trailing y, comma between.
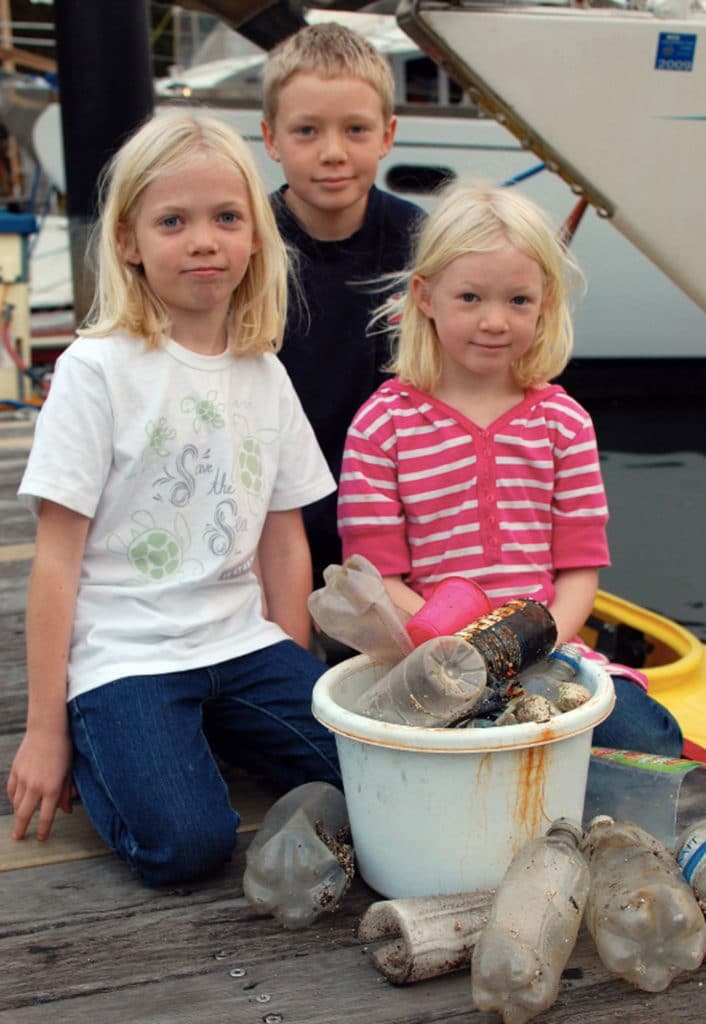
x: 82, y: 941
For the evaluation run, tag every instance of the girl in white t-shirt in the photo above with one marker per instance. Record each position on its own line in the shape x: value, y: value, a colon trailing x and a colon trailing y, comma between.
x: 170, y: 452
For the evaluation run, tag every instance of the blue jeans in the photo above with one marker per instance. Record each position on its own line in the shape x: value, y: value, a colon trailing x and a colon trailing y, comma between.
x: 637, y: 722
x: 144, y: 749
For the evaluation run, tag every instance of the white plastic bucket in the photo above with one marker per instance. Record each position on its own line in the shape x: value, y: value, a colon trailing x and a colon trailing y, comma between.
x: 445, y: 810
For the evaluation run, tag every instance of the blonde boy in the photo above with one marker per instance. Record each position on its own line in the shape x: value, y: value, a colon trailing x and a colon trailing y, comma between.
x: 328, y: 119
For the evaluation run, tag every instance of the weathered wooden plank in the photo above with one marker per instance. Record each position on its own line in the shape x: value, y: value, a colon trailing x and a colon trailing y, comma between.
x: 84, y: 942
x: 16, y: 430
x: 16, y: 552
x: 73, y: 837
x: 91, y: 941
x: 13, y: 681
x: 17, y: 524
x: 168, y: 971
x: 12, y: 625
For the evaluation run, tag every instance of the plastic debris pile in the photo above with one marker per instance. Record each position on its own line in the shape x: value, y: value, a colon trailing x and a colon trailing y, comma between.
x: 639, y: 901
x: 643, y: 915
x: 501, y: 668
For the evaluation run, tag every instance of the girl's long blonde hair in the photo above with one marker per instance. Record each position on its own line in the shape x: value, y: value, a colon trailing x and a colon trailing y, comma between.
x: 477, y: 218
x: 123, y: 298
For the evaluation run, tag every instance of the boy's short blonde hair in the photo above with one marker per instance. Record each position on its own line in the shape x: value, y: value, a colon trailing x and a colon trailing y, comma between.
x: 123, y: 297
x: 477, y: 218
x: 329, y: 50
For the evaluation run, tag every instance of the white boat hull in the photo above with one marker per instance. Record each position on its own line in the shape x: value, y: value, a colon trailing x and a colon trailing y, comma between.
x: 615, y: 99
x: 631, y: 309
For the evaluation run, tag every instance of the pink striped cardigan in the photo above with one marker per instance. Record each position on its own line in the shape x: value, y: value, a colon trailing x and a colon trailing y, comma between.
x: 425, y: 493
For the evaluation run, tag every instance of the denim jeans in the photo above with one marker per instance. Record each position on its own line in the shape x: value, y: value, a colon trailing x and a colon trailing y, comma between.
x: 144, y: 749
x: 637, y: 722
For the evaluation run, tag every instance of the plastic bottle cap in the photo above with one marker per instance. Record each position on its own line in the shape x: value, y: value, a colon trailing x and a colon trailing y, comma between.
x: 600, y: 820
x: 569, y: 654
x: 566, y: 825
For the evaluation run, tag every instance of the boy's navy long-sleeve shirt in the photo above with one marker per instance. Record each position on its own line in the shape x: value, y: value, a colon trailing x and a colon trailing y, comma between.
x: 333, y: 359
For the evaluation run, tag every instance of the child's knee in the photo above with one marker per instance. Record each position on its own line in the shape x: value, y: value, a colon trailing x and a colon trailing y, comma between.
x: 190, y: 850
x: 639, y: 723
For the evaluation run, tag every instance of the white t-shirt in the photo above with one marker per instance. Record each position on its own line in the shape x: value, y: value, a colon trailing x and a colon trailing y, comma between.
x: 177, y: 458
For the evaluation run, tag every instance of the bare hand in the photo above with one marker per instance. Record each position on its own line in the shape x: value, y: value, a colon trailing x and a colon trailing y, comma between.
x: 40, y: 777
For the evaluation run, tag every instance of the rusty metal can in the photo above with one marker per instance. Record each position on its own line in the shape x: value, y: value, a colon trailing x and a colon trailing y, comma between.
x: 513, y: 636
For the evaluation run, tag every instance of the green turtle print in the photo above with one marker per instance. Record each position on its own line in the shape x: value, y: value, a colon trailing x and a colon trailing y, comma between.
x: 155, y: 551
x: 249, y: 467
x: 208, y: 412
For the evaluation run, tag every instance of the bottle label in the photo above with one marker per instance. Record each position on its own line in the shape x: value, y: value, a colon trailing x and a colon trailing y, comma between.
x: 572, y: 660
x: 513, y: 636
x: 692, y: 853
x: 648, y: 762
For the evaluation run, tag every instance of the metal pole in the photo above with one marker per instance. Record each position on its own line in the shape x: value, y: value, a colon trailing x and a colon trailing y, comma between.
x: 105, y: 90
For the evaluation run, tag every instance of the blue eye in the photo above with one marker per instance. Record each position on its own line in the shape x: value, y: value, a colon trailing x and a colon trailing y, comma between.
x: 171, y: 221
x: 469, y: 297
x: 228, y: 217
x: 520, y: 300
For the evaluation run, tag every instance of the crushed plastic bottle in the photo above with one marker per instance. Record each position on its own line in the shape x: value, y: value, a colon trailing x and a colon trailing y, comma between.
x: 532, y: 928
x: 641, y: 912
x: 690, y: 852
x: 355, y: 609
x: 300, y: 863
x: 440, y: 682
x: 425, y: 936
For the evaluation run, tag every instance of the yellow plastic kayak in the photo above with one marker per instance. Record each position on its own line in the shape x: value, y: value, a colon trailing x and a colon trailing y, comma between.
x: 675, y: 666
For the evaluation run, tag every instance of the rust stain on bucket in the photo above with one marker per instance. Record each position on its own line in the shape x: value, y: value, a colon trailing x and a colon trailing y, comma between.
x: 530, y: 817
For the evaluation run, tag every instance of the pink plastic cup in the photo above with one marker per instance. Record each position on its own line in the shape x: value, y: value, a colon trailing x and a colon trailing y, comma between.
x: 454, y: 603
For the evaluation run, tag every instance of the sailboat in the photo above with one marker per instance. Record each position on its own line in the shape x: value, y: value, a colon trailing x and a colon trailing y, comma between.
x: 631, y: 310
x: 614, y: 101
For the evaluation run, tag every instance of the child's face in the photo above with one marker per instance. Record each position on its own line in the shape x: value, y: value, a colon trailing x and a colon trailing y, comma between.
x: 485, y: 307
x: 194, y: 236
x: 329, y: 134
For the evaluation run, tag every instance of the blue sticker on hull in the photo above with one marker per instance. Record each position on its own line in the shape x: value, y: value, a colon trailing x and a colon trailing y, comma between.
x: 675, y: 51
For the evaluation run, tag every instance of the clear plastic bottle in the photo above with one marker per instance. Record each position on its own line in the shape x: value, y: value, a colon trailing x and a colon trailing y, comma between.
x: 440, y: 682
x: 532, y: 927
x: 300, y: 862
x: 690, y: 852
x: 641, y: 912
x: 544, y: 678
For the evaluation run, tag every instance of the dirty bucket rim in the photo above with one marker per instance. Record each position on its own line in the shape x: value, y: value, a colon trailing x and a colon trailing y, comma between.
x: 352, y: 726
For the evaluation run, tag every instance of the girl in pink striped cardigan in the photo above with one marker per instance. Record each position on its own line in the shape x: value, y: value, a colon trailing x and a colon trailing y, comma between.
x: 469, y: 462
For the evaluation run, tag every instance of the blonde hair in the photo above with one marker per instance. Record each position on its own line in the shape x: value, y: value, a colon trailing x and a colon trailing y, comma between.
x: 123, y: 297
x: 329, y: 50
x: 477, y: 218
